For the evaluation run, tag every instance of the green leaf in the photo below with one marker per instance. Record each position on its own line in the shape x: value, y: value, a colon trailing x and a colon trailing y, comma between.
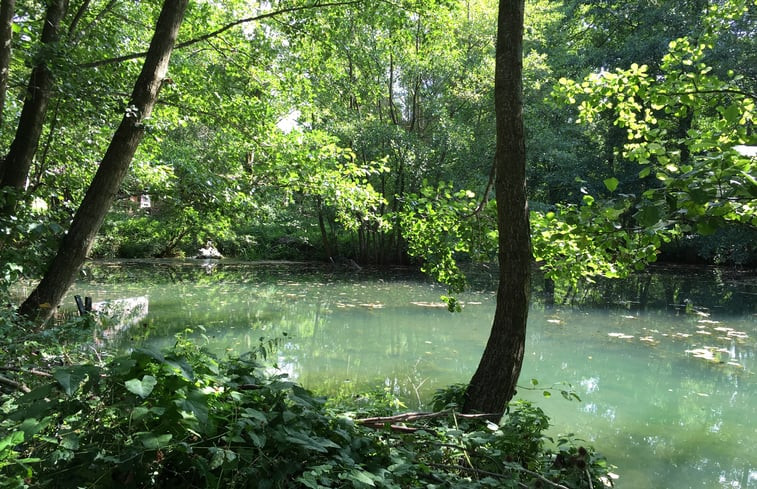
x: 316, y: 444
x: 151, y: 441
x: 143, y: 387
x: 732, y: 114
x: 11, y: 440
x: 71, y: 378
x: 611, y: 183
x: 361, y: 476
x: 648, y: 216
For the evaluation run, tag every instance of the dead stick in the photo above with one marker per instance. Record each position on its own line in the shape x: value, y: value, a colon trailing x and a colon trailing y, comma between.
x: 14, y: 384
x: 417, y: 416
x: 32, y: 371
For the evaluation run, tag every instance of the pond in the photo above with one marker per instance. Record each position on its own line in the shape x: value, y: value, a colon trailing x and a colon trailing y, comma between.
x: 664, y: 362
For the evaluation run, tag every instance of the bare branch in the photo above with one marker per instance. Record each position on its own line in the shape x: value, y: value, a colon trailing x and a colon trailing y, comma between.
x: 382, y: 420
x: 14, y: 384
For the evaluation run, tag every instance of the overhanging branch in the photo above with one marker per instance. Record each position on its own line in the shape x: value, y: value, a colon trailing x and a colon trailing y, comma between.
x: 217, y: 32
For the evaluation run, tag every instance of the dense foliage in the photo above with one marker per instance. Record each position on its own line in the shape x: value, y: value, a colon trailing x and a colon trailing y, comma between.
x: 183, y: 417
x: 322, y: 130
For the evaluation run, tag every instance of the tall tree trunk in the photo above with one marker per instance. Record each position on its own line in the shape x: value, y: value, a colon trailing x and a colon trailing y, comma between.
x: 7, y: 8
x: 24, y: 145
x: 493, y: 384
x: 330, y: 255
x: 91, y: 213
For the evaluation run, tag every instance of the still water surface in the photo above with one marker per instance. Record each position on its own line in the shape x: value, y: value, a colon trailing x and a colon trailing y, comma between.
x: 664, y: 363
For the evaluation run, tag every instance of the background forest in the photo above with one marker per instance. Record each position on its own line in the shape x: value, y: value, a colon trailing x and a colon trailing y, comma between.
x: 357, y: 132
x: 364, y: 130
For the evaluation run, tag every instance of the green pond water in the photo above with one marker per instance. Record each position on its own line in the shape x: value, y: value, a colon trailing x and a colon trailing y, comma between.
x: 664, y: 362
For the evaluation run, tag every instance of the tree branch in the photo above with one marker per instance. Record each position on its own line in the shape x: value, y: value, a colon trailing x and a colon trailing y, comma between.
x: 217, y: 32
x: 380, y: 421
x: 14, y: 384
x: 697, y: 91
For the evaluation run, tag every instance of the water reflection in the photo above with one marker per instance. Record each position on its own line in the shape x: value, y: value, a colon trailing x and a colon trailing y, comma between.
x: 664, y: 363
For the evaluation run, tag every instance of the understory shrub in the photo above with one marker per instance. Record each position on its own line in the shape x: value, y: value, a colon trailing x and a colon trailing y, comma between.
x: 185, y: 418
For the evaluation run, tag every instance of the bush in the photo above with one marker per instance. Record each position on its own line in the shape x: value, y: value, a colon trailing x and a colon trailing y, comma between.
x: 184, y: 418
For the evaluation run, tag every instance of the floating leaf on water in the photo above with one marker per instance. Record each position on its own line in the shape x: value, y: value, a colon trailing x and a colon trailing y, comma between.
x: 621, y: 336
x: 738, y: 334
x: 429, y: 304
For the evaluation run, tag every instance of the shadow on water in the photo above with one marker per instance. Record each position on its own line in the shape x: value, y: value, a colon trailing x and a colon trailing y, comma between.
x: 664, y: 362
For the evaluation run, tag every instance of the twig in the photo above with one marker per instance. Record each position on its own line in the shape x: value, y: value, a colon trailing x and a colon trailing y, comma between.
x: 33, y: 371
x: 14, y: 384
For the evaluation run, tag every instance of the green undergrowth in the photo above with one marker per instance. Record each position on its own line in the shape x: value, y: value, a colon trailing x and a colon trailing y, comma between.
x: 182, y: 417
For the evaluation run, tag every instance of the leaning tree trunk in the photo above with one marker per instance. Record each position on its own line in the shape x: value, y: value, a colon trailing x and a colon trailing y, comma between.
x: 15, y: 169
x: 99, y: 197
x: 493, y: 384
x: 6, y: 36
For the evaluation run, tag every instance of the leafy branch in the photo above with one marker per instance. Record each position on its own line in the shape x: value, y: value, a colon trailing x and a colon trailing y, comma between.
x: 219, y: 31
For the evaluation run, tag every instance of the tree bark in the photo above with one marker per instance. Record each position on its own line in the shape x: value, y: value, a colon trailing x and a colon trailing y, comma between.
x: 493, y: 384
x: 19, y: 159
x: 7, y: 8
x: 73, y: 250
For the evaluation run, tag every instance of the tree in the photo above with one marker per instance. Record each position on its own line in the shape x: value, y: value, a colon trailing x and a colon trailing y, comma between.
x: 493, y: 384
x: 89, y: 217
x: 15, y: 167
x: 6, y: 34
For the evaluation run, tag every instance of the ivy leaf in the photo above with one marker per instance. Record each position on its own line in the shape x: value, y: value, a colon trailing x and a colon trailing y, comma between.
x: 143, y: 387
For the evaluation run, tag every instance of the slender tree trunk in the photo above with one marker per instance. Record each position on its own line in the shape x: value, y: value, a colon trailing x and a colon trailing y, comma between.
x: 493, y: 384
x: 7, y: 8
x: 324, y: 233
x: 24, y: 145
x: 99, y: 197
